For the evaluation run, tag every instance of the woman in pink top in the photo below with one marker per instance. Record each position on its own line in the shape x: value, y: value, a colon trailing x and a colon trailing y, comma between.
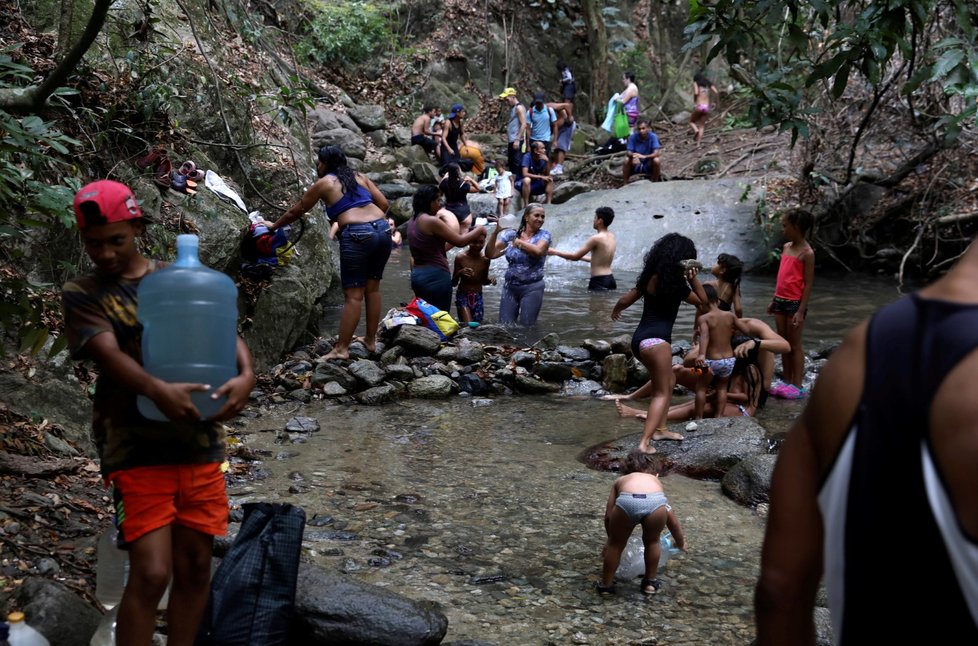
x: 790, y: 305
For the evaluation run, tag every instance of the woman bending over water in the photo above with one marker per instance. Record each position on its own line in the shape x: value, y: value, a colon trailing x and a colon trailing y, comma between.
x: 663, y: 286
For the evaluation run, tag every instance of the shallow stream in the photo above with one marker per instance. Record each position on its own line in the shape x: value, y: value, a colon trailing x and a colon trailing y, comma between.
x: 487, y: 510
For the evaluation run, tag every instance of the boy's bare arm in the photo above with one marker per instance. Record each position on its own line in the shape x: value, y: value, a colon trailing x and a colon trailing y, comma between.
x: 577, y: 255
x: 173, y: 400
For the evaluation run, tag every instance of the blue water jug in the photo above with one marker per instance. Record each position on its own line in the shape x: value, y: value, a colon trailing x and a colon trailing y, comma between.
x: 189, y: 314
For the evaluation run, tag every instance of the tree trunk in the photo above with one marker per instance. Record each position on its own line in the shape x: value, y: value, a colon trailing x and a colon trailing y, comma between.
x: 597, y: 38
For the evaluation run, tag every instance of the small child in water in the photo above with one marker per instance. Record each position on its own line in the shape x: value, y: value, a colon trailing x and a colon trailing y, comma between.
x: 637, y: 497
x: 471, y: 273
x: 715, y: 350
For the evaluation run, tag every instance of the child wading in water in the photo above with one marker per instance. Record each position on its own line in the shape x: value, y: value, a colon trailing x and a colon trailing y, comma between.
x: 791, y: 294
x: 663, y: 286
x: 471, y: 273
x: 637, y: 497
x: 716, y: 352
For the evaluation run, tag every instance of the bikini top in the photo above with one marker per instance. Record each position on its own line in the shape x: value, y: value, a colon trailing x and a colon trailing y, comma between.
x: 359, y: 197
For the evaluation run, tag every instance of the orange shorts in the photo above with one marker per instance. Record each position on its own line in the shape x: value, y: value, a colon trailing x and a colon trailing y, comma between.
x: 148, y: 498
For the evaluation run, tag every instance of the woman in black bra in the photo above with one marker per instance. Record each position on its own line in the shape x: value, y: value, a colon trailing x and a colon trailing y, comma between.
x: 452, y: 134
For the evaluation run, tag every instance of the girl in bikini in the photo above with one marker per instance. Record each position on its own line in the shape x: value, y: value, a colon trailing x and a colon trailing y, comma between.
x: 637, y: 498
x: 701, y: 90
x: 664, y: 285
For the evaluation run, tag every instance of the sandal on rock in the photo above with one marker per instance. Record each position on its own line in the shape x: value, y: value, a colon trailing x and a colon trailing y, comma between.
x: 650, y: 586
x: 151, y: 159
x: 163, y: 172
x: 190, y: 171
x: 604, y: 590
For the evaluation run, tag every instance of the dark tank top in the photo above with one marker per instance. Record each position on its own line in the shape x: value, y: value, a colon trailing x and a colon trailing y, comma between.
x: 426, y: 250
x: 899, y: 584
x: 658, y: 317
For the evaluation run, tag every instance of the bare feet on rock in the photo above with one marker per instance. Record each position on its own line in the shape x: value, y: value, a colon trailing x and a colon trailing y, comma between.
x: 666, y: 434
x: 335, y: 354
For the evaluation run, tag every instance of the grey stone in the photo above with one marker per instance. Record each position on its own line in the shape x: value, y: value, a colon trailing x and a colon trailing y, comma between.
x: 301, y: 394
x: 470, y: 352
x: 327, y: 371
x: 614, y: 369
x: 621, y: 344
x: 323, y: 119
x: 417, y: 340
x: 302, y: 425
x: 553, y: 371
x: 400, y: 136
x: 347, y: 123
x: 549, y: 341
x: 531, y: 386
x: 447, y: 353
x: 401, y: 209
x: 59, y: 446
x: 334, y: 609
x: 488, y: 334
x: 368, y: 117
x: 367, y: 372
x: 377, y: 395
x: 481, y: 403
x: 333, y: 389
x: 598, y: 348
x: 523, y: 358
x: 823, y: 627
x: 574, y: 353
x: 399, y: 372
x: 582, y: 388
x: 424, y: 173
x: 349, y: 142
x: 391, y: 355
x: 56, y: 612
x: 411, y: 155
x: 472, y: 384
x: 716, y: 446
x: 638, y: 374
x: 566, y: 190
x: 749, y: 482
x: 378, y: 137
x: 54, y: 397
x: 398, y: 189
x: 483, y: 205
x: 431, y: 387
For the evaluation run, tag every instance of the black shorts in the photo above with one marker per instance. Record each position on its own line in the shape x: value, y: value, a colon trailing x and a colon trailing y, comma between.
x: 425, y: 142
x: 568, y: 91
x: 602, y: 283
x: 785, y: 306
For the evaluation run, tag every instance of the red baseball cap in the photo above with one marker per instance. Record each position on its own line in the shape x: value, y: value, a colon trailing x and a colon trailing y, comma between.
x: 112, y: 201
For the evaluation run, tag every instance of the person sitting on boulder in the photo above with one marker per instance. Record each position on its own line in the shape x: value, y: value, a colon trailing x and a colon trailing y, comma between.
x: 535, y: 174
x: 421, y: 134
x: 643, y: 153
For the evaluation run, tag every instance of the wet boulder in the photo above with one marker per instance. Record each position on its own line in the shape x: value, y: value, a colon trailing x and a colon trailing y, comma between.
x: 377, y: 395
x: 488, y: 334
x: 470, y: 352
x: 614, y: 369
x: 597, y: 348
x: 367, y: 372
x: 327, y: 371
x: 368, y: 117
x: 573, y: 353
x: 431, y: 387
x: 399, y: 372
x: 530, y: 386
x: 397, y: 189
x: 417, y: 340
x: 557, y: 371
x: 424, y: 173
x: 749, y: 482
x: 566, y: 190
x: 334, y: 609
x: 56, y: 612
x: 323, y: 119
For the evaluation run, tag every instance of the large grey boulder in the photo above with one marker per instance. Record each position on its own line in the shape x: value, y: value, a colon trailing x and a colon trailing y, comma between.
x: 397, y: 189
x: 417, y: 340
x: 323, y: 118
x: 710, y: 212
x: 431, y: 387
x: 410, y: 155
x: 614, y: 370
x: 368, y: 117
x: 749, y: 482
x: 328, y: 371
x: 715, y: 447
x: 566, y: 190
x: 377, y: 395
x: 400, y: 136
x: 55, y: 395
x: 56, y: 612
x: 483, y: 205
x: 530, y: 386
x: 334, y: 609
x: 349, y: 142
x: 424, y: 173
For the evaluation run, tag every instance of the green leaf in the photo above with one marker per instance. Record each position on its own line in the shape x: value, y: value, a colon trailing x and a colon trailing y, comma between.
x: 59, y: 344
x: 841, y: 80
x: 948, y: 61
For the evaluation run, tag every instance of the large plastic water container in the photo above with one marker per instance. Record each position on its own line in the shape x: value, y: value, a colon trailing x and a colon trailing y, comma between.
x: 189, y: 314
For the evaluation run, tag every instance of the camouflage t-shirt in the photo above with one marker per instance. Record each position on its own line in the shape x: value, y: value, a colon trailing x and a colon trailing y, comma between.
x: 96, y: 304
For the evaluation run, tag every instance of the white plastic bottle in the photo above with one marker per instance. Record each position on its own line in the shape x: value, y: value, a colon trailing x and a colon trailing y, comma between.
x: 23, y: 635
x: 667, y: 547
x: 105, y: 633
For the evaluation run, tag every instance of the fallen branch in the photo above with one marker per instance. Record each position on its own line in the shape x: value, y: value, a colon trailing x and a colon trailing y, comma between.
x: 957, y: 217
x: 920, y: 234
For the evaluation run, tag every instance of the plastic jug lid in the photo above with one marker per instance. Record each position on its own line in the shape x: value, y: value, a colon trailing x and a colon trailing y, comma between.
x: 15, y: 617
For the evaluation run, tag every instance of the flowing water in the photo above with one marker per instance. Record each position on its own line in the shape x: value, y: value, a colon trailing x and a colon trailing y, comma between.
x: 487, y: 510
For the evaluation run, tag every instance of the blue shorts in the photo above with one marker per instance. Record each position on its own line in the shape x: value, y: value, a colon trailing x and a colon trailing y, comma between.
x: 364, y: 250
x: 471, y: 300
x: 537, y: 186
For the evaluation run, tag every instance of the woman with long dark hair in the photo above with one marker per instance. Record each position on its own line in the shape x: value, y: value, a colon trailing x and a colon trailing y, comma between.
x: 663, y: 285
x: 428, y: 230
x: 358, y: 206
x: 456, y: 188
x: 526, y: 252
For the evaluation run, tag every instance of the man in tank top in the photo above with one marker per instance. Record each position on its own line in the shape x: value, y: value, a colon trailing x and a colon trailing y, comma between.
x: 516, y: 129
x: 876, y: 483
x: 167, y: 477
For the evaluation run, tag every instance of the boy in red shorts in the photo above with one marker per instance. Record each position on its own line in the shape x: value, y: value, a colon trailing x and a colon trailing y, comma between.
x: 167, y: 477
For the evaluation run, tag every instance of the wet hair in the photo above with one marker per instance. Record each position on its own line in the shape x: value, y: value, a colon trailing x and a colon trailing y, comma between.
x: 640, y: 462
x: 423, y: 197
x: 800, y: 218
x: 529, y: 207
x: 733, y: 267
x: 711, y: 293
x: 662, y: 260
x: 606, y: 214
x: 334, y: 161
x: 751, y: 371
x: 702, y: 81
x: 629, y: 75
x: 453, y: 170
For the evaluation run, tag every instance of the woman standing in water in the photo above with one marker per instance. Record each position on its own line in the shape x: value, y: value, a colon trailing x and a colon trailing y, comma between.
x: 526, y: 252
x: 357, y: 206
x: 663, y: 284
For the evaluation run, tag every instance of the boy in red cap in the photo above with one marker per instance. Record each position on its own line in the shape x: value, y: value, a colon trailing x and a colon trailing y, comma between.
x: 167, y: 477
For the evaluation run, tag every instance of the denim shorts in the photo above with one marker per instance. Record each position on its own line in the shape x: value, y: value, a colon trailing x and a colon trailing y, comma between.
x: 364, y: 250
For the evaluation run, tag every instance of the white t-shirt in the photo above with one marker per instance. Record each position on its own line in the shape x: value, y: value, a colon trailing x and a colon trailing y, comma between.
x: 504, y: 185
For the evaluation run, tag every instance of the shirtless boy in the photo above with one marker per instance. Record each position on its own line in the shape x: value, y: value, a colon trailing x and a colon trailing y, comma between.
x: 471, y: 273
x: 601, y: 246
x: 716, y: 352
x: 637, y: 498
x: 421, y: 134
